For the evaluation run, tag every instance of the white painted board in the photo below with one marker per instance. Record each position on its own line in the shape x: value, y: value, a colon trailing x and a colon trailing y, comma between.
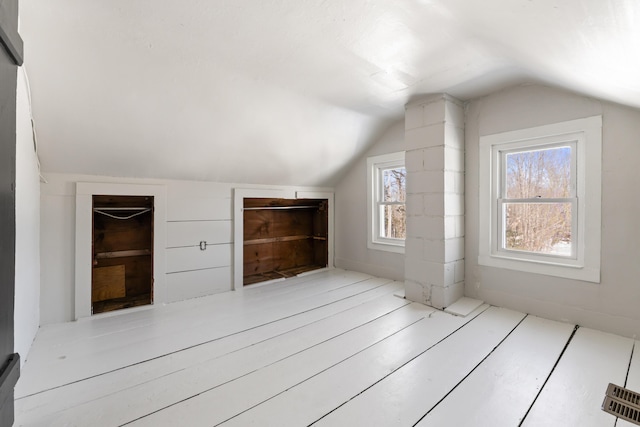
x: 402, y: 398
x: 501, y: 389
x: 463, y: 306
x: 198, y: 209
x: 258, y: 370
x: 191, y: 233
x: 197, y: 283
x: 196, y: 189
x: 66, y: 357
x: 303, y: 330
x: 215, y: 406
x: 192, y: 258
x: 319, y: 395
x: 574, y: 393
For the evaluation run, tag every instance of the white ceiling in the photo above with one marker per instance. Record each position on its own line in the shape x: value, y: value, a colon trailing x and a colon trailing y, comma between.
x: 291, y: 91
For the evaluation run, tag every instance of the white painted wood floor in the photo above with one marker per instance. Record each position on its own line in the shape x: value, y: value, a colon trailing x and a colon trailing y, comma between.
x: 335, y: 348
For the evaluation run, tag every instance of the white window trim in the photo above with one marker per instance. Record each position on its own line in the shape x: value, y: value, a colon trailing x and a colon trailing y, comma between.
x: 585, y: 262
x: 374, y: 180
x: 499, y: 153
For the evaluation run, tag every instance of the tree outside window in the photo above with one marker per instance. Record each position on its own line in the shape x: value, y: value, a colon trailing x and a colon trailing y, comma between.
x: 392, y: 204
x: 387, y: 179
x: 538, y: 201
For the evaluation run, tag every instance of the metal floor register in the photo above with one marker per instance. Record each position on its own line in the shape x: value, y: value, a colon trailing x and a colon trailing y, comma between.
x: 622, y: 403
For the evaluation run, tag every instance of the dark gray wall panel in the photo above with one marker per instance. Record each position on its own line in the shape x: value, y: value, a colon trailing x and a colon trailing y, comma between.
x: 10, y: 55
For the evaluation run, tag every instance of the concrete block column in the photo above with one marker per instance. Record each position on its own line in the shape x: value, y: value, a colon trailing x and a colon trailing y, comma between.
x: 434, y: 248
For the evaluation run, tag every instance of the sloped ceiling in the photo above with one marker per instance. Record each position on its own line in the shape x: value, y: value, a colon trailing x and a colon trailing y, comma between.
x: 291, y: 91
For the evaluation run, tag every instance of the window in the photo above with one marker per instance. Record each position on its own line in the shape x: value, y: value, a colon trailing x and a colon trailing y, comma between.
x: 539, y: 209
x: 386, y: 197
x: 537, y: 204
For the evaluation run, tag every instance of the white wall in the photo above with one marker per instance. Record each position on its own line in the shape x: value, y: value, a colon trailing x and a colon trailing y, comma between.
x: 27, y: 296
x: 194, y: 211
x: 611, y: 305
x: 351, y: 214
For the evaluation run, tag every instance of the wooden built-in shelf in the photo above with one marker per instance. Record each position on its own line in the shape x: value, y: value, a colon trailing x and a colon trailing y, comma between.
x: 122, y: 251
x: 123, y: 254
x: 120, y: 303
x: 279, y: 274
x: 283, y: 237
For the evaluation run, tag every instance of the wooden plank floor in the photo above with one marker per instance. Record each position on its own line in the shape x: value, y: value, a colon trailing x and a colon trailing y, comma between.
x: 336, y: 348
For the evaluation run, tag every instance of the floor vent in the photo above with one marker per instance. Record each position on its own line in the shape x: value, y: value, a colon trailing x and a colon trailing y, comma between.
x: 622, y: 403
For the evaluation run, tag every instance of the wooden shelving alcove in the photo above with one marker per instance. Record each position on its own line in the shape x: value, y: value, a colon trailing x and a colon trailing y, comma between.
x: 122, y: 273
x: 283, y: 237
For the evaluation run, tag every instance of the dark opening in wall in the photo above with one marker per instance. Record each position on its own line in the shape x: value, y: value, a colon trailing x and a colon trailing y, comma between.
x: 122, y: 252
x: 284, y: 237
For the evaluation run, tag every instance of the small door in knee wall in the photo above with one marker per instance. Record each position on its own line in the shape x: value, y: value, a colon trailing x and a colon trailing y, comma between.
x: 122, y: 252
x: 283, y: 237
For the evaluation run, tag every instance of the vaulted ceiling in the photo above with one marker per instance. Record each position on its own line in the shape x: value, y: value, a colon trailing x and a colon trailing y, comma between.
x: 291, y: 91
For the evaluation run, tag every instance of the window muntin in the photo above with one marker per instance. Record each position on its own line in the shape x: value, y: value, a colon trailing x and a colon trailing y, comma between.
x: 570, y: 193
x: 387, y: 197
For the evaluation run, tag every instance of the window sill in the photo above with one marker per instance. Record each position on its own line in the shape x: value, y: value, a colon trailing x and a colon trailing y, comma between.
x: 551, y: 268
x: 387, y: 247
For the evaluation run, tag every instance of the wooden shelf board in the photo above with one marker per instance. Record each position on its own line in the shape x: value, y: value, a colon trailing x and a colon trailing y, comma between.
x: 120, y: 303
x: 278, y: 274
x: 123, y: 254
x: 276, y: 239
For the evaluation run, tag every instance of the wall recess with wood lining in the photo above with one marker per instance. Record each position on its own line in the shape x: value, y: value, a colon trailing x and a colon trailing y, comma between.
x: 283, y: 237
x: 187, y: 213
x: 122, y: 274
x: 276, y: 244
x: 103, y: 241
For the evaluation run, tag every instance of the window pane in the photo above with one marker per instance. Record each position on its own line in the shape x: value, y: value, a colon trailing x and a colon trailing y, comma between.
x: 542, y: 173
x: 538, y: 227
x: 393, y: 224
x: 394, y: 184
